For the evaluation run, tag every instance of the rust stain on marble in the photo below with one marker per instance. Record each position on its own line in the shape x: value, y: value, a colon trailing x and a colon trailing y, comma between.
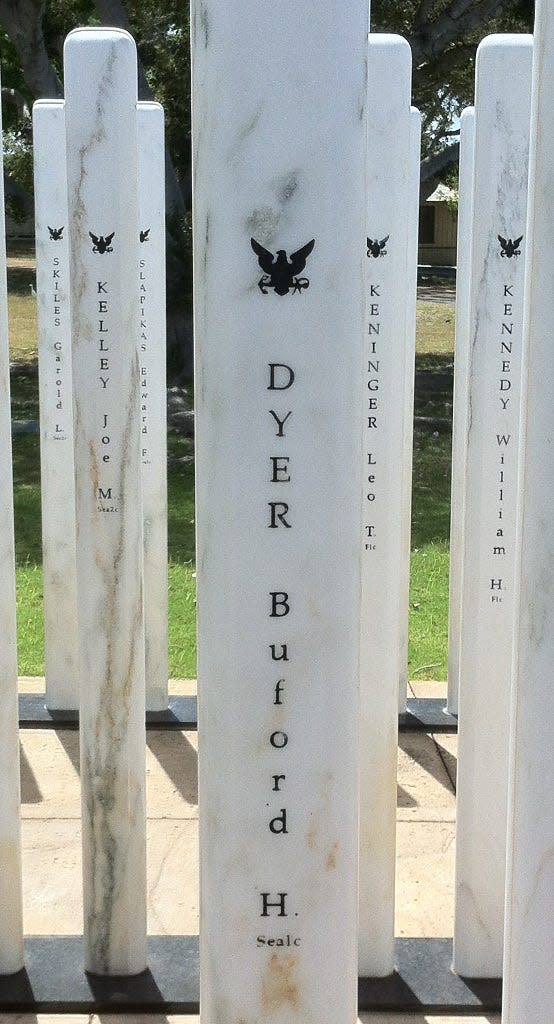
x: 311, y: 837
x: 331, y: 862
x: 280, y: 984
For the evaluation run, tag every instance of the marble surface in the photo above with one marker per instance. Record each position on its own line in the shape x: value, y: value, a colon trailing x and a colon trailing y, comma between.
x: 529, y: 936
x: 11, y: 927
x: 407, y: 459
x: 153, y: 404
x: 279, y: 158
x: 502, y: 112
x: 56, y: 406
x: 385, y: 360
x: 100, y: 90
x: 460, y: 400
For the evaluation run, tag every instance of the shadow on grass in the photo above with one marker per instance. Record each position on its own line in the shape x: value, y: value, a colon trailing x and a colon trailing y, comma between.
x: 20, y: 280
x: 24, y: 396
x: 431, y: 487
x: 26, y: 475
x: 26, y: 478
x: 434, y: 360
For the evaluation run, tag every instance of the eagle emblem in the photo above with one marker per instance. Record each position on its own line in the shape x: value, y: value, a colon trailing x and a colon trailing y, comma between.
x: 376, y: 248
x: 102, y: 244
x: 281, y: 271
x: 55, y: 234
x: 144, y: 235
x: 510, y: 248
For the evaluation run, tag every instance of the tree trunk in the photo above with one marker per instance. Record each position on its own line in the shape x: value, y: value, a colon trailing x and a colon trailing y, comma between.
x: 22, y: 20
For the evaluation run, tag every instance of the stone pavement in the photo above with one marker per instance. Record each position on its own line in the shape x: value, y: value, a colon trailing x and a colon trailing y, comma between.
x: 52, y: 855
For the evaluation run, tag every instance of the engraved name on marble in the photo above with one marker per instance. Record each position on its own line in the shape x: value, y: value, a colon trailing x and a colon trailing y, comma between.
x: 55, y: 406
x: 502, y: 111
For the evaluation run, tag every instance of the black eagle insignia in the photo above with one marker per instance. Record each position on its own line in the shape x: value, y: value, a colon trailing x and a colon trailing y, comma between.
x: 144, y: 235
x: 102, y: 244
x: 55, y: 233
x: 510, y: 248
x: 375, y: 248
x: 281, y: 272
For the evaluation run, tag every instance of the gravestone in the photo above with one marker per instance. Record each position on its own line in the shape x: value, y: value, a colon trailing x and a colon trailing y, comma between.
x: 11, y: 913
x: 528, y: 991
x: 390, y: 190
x: 153, y: 416
x: 56, y: 406
x: 411, y: 300
x: 502, y: 111
x: 460, y: 401
x: 100, y: 88
x: 280, y: 261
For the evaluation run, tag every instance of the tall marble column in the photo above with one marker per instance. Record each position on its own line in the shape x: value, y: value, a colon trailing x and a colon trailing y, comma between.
x: 460, y: 403
x: 100, y: 89
x: 528, y: 991
x: 407, y: 461
x: 153, y: 401
x: 280, y: 258
x: 502, y: 111
x: 11, y: 916
x: 385, y: 360
x: 56, y: 412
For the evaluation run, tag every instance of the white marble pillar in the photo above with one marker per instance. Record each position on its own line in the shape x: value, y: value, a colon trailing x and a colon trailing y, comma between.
x: 153, y: 399
x: 11, y: 917
x: 56, y: 413
x: 407, y: 461
x: 528, y: 992
x: 100, y: 89
x: 389, y: 217
x: 280, y: 260
x: 502, y: 111
x: 460, y: 401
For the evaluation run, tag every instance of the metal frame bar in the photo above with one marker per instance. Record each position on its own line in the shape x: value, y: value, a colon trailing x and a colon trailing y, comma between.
x: 423, y: 714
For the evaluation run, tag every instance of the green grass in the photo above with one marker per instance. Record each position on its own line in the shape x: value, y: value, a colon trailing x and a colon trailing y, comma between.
x: 182, y: 621
x: 22, y: 314
x: 427, y: 653
x: 435, y: 328
x: 181, y: 580
x: 30, y: 626
x: 430, y: 513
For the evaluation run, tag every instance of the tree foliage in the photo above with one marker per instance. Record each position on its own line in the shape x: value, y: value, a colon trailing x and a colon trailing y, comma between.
x: 443, y: 34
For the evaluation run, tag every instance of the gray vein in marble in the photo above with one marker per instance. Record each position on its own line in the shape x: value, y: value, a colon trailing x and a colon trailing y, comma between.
x: 363, y: 95
x: 250, y: 126
x: 464, y: 889
x: 109, y: 854
x: 262, y: 224
x: 287, y: 186
x: 98, y: 135
x: 204, y: 22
